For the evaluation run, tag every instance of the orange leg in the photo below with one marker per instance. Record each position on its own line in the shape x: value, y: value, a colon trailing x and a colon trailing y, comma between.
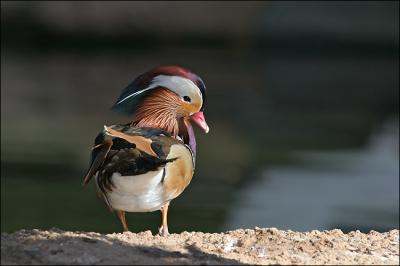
x: 163, y: 230
x: 121, y: 216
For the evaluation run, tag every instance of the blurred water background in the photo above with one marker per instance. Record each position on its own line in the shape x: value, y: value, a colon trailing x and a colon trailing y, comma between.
x: 303, y: 104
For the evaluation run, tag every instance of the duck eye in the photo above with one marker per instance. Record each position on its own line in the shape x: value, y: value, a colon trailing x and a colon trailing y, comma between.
x: 187, y: 99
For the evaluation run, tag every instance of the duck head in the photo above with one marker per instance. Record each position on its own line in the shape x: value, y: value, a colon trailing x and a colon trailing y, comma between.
x: 166, y: 97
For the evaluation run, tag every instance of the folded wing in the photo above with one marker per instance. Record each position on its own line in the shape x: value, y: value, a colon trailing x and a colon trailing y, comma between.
x: 127, y: 150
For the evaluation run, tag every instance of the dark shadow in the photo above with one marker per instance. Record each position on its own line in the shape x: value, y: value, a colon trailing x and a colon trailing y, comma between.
x: 97, y: 249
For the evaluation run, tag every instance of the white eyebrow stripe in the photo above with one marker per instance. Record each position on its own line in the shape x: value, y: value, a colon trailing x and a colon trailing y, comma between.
x: 133, y: 94
x: 174, y: 83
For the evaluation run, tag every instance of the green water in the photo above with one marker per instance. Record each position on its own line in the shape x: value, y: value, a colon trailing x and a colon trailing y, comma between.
x: 284, y: 78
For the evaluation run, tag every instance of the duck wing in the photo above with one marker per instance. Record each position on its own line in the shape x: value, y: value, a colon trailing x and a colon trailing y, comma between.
x: 129, y: 151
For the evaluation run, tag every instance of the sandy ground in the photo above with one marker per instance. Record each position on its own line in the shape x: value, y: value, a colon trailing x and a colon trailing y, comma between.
x: 249, y: 246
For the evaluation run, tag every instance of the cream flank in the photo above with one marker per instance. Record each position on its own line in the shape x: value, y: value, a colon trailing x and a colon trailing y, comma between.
x: 150, y: 191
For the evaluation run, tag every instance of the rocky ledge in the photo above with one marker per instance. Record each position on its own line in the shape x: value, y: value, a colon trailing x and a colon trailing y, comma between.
x: 244, y: 246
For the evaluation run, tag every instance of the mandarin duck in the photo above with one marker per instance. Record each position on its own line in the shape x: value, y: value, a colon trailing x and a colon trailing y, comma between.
x: 142, y: 165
